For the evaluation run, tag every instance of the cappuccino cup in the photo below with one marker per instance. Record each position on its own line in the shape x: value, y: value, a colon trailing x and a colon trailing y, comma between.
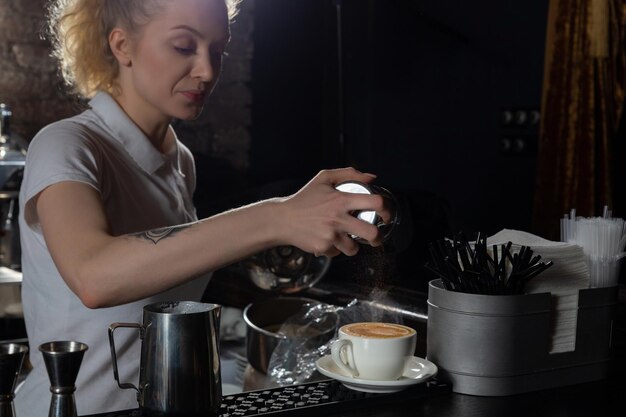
x: 373, y: 350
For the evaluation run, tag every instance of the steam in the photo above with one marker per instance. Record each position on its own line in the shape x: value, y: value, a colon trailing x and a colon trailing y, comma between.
x: 310, y: 332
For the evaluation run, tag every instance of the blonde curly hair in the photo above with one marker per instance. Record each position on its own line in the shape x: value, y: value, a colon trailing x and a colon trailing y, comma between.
x: 79, y: 29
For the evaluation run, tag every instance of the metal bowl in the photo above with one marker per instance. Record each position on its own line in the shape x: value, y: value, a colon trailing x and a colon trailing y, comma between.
x: 285, y: 269
x: 265, y: 318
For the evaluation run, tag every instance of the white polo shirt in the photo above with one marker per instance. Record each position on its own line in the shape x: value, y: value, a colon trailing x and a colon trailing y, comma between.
x: 141, y: 189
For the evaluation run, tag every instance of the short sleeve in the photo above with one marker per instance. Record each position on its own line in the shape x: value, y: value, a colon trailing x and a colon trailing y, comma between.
x: 62, y: 151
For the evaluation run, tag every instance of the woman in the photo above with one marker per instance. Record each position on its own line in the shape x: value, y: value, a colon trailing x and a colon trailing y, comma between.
x: 107, y: 219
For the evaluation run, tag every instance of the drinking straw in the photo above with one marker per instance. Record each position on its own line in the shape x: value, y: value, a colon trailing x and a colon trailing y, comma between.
x: 603, y: 240
x: 484, y: 273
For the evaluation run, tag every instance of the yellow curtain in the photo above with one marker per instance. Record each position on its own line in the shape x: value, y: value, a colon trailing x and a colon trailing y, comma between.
x: 582, y: 100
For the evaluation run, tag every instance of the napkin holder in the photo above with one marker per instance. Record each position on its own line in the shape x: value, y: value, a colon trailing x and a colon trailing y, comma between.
x: 496, y: 345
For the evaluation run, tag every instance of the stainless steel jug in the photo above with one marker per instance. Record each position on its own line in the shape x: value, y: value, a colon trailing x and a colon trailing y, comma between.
x: 180, y: 363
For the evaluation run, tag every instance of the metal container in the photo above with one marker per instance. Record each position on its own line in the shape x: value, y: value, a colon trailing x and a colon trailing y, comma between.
x: 11, y: 359
x: 180, y: 362
x: 285, y: 269
x: 63, y: 359
x: 496, y: 345
x: 265, y: 318
x: 387, y: 229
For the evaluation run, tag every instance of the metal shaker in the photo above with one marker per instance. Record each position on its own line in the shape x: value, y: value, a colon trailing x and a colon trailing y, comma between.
x: 180, y: 363
x: 371, y: 216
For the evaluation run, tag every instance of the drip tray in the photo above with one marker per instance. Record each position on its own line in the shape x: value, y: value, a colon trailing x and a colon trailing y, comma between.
x: 310, y: 399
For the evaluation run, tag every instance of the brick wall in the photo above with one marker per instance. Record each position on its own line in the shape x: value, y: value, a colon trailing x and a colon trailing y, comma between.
x: 28, y: 79
x: 31, y: 87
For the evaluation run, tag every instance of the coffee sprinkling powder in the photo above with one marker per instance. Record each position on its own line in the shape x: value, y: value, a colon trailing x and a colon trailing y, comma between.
x: 371, y: 266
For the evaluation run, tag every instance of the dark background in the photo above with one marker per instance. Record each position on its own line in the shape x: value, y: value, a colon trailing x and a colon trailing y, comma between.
x: 438, y: 98
x: 425, y: 86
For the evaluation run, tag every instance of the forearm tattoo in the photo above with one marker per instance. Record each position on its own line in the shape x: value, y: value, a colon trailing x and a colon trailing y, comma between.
x: 156, y: 235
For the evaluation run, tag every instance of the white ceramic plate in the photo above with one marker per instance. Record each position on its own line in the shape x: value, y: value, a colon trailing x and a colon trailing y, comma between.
x: 417, y: 370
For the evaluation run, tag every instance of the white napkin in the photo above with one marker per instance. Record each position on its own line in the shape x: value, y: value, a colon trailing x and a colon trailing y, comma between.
x: 567, y: 275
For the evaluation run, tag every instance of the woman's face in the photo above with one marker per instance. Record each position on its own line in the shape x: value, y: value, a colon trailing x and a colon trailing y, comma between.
x: 176, y: 58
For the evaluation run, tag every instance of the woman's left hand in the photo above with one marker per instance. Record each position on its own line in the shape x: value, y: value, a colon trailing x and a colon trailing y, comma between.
x: 318, y: 218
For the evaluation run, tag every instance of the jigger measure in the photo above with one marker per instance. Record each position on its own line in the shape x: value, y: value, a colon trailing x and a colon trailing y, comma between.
x: 11, y: 360
x: 63, y: 360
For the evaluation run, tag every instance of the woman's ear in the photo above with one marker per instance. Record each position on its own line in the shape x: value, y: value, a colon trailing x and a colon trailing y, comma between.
x: 119, y: 42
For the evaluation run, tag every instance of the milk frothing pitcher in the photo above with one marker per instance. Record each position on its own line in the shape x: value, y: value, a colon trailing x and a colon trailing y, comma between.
x: 180, y: 364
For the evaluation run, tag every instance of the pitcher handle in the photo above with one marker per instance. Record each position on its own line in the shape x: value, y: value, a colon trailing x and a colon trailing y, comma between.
x: 112, y: 327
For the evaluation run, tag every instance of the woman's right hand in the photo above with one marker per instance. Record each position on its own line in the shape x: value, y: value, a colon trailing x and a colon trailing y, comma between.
x: 318, y: 219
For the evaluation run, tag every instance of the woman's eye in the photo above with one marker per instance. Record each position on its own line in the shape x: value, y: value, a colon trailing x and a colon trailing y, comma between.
x: 185, y: 51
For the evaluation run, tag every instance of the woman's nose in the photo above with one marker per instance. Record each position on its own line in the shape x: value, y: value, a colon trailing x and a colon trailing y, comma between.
x: 204, y: 69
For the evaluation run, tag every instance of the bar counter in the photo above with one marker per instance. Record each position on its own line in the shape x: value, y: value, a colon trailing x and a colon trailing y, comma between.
x: 603, y: 398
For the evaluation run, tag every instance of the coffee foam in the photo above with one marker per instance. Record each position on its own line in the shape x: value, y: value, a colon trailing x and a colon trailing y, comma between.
x: 377, y: 330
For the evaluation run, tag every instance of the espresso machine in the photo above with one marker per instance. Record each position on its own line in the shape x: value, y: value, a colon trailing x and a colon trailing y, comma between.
x: 12, y: 160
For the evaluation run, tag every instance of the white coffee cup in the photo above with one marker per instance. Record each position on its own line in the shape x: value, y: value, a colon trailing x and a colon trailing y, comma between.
x: 374, y: 350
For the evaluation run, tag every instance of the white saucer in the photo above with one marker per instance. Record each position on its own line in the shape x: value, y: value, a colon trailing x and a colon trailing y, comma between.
x: 417, y: 370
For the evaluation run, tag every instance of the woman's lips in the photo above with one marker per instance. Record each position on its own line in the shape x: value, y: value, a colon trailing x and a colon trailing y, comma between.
x: 194, y: 96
